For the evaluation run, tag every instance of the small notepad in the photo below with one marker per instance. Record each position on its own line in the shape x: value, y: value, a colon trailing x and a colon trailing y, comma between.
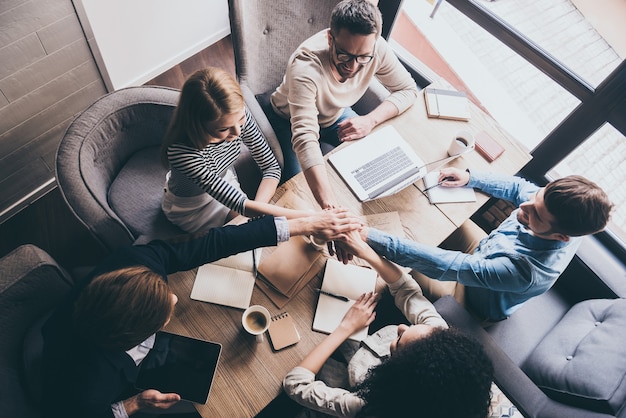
x: 227, y: 282
x: 440, y: 194
x: 282, y: 331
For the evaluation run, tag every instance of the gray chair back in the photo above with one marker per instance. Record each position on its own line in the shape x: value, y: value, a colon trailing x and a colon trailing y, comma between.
x: 31, y: 285
x: 108, y: 165
x: 266, y: 32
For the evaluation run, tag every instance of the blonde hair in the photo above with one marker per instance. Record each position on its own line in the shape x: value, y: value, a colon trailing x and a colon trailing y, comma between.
x: 206, y: 96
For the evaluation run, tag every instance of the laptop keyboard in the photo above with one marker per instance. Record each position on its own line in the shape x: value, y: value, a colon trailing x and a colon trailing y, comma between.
x: 381, y: 168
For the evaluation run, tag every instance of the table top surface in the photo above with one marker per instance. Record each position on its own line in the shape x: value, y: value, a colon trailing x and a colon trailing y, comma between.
x: 250, y: 374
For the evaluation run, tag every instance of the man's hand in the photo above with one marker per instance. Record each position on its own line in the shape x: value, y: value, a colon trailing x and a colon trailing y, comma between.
x: 355, y: 128
x: 326, y: 225
x: 334, y: 224
x: 354, y: 244
x: 361, y: 314
x: 150, y: 400
x: 453, y: 177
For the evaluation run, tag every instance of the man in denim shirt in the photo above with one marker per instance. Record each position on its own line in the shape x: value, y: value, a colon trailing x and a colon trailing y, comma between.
x: 520, y: 259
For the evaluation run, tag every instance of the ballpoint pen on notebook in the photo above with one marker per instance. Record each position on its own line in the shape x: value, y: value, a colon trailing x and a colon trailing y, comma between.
x: 332, y: 295
x: 438, y: 183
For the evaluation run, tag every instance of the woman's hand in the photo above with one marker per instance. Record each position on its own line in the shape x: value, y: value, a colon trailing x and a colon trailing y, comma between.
x: 361, y: 314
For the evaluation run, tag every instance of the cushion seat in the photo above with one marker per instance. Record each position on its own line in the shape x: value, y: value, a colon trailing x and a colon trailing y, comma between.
x: 581, y: 361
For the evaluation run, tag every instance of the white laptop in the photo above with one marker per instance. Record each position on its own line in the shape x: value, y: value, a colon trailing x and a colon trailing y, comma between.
x: 379, y: 165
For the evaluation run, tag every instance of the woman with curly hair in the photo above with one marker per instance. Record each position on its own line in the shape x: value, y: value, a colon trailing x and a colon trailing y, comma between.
x: 425, y: 363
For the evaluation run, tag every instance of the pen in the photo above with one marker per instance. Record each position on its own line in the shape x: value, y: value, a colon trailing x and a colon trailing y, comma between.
x: 438, y: 184
x: 343, y: 298
x: 254, y: 270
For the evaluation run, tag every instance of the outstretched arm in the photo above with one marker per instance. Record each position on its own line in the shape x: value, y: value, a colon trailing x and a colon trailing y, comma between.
x: 361, y: 314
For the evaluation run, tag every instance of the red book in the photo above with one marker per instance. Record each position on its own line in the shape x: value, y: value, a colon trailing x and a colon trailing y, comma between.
x: 487, y: 146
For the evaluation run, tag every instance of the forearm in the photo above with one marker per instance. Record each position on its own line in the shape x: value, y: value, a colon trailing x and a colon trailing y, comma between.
x: 266, y: 190
x: 316, y: 358
x: 504, y: 271
x: 254, y: 208
x: 383, y: 112
x: 317, y: 179
x: 388, y: 271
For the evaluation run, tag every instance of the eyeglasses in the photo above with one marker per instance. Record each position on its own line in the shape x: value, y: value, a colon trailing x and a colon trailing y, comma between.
x: 345, y: 57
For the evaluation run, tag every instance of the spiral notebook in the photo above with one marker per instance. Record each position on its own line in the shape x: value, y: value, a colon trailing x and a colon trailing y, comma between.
x: 282, y: 331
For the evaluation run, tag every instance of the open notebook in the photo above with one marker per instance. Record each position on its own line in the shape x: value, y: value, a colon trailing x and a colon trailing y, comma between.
x: 228, y: 281
x: 379, y: 165
x: 438, y: 194
x: 343, y: 280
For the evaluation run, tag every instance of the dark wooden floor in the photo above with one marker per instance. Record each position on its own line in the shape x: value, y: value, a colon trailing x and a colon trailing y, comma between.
x: 49, y: 223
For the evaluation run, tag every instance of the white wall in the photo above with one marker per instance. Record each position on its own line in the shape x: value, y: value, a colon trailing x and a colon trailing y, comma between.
x: 134, y: 41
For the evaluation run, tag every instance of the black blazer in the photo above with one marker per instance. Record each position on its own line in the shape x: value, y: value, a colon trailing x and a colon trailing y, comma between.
x: 80, y: 380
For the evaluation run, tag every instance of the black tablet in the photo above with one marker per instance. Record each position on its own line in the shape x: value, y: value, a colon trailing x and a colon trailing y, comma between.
x: 179, y: 364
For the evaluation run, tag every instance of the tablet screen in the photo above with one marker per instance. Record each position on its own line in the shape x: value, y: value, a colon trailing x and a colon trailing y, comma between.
x: 179, y: 364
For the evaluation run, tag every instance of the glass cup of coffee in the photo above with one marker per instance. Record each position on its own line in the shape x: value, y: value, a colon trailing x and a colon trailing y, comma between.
x: 256, y: 320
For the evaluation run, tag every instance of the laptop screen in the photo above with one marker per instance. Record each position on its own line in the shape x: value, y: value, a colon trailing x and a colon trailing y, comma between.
x: 179, y: 364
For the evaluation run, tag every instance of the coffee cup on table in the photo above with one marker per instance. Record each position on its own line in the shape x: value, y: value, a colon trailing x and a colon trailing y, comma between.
x: 462, y: 142
x: 315, y: 242
x: 256, y: 320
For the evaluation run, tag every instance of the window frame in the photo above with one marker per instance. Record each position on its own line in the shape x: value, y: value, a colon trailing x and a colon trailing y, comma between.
x: 605, y: 103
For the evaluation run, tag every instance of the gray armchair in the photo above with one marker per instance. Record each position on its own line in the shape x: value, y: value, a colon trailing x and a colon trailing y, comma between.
x: 265, y: 34
x: 108, y: 165
x: 109, y: 170
x: 559, y: 355
x: 31, y: 285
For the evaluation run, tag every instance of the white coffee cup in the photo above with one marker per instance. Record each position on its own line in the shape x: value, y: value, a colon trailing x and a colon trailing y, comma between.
x: 315, y: 242
x: 462, y: 142
x: 256, y: 320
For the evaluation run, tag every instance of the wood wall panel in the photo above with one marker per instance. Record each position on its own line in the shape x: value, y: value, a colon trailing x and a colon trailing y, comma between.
x: 47, y: 75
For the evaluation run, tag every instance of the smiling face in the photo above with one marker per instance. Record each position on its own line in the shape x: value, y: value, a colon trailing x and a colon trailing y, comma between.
x: 349, y: 46
x: 534, y: 215
x: 408, y: 334
x: 227, y: 128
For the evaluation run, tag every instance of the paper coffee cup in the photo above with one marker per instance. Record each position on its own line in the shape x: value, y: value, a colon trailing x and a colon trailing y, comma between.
x: 256, y: 320
x: 462, y: 142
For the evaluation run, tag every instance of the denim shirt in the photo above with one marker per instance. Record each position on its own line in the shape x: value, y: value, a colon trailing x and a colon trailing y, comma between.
x: 510, y: 265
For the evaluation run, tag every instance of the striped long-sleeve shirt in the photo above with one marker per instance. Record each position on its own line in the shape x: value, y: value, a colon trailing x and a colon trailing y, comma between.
x: 196, y: 171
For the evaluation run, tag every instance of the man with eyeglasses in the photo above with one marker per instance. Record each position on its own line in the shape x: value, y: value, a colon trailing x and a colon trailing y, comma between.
x: 325, y: 76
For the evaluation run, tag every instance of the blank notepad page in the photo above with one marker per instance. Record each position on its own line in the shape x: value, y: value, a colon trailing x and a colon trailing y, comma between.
x: 227, y: 282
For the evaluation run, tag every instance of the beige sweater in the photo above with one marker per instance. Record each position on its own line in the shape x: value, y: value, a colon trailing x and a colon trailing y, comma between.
x: 312, y: 98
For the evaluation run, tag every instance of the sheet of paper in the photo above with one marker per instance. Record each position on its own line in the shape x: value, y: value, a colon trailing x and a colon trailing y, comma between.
x: 227, y: 282
x: 388, y: 222
x: 440, y: 194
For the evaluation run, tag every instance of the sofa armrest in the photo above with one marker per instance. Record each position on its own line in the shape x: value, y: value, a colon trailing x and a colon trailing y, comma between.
x: 31, y: 284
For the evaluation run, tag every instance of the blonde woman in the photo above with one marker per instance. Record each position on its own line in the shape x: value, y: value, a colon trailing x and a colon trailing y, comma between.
x: 201, y: 145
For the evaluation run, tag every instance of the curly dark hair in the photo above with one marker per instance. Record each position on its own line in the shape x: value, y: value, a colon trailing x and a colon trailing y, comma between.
x: 445, y: 374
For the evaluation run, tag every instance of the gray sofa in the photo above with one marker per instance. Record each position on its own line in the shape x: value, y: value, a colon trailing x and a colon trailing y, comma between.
x: 31, y: 284
x: 561, y: 354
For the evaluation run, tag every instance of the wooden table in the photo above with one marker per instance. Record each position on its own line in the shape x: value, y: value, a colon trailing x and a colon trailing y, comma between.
x: 249, y: 375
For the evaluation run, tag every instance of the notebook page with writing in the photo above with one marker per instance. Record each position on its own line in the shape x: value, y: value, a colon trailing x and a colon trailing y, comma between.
x: 227, y: 282
x: 346, y: 280
x: 438, y: 194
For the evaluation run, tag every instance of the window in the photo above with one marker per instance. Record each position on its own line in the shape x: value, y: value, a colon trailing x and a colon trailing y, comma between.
x: 552, y: 73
